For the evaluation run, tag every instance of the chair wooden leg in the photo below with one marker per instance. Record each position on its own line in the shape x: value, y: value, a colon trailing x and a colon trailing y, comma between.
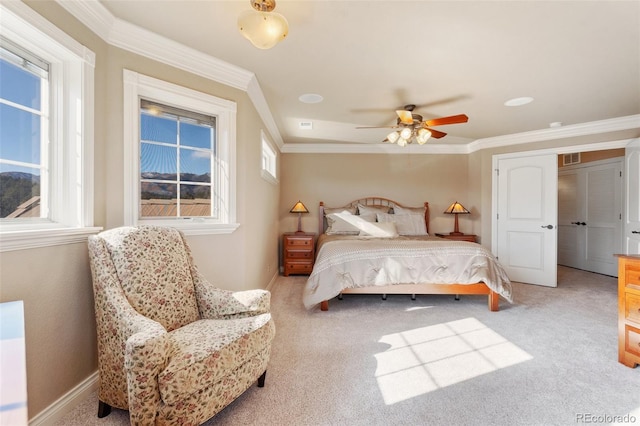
x: 261, y: 379
x: 104, y: 409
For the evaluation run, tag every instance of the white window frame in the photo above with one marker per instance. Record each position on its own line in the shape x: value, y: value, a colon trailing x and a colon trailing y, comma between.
x: 137, y: 86
x: 70, y: 156
x: 268, y: 160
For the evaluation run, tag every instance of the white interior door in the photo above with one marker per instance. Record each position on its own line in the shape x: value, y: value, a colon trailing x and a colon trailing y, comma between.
x: 527, y: 209
x: 589, y: 216
x: 603, y: 217
x: 632, y: 189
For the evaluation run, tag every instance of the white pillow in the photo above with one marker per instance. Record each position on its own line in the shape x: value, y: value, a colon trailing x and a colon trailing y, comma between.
x: 343, y: 223
x: 380, y: 230
x: 409, y: 210
x: 368, y: 213
x: 407, y: 224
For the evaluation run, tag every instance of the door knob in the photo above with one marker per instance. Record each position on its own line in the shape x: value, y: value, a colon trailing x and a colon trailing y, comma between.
x: 583, y: 224
x: 547, y: 226
x: 635, y: 232
x: 575, y: 223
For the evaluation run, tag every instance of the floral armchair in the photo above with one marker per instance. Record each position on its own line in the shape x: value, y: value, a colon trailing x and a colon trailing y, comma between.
x: 172, y: 349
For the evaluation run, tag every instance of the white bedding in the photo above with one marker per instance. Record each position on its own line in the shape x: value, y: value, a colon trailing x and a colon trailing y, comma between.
x: 353, y: 261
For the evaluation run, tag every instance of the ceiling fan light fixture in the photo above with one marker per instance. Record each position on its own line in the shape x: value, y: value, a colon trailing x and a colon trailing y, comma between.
x: 393, y: 137
x: 262, y: 27
x: 423, y: 136
x: 406, y: 133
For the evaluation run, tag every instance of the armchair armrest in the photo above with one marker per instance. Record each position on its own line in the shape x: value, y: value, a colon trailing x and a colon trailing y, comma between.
x: 146, y: 355
x: 216, y: 303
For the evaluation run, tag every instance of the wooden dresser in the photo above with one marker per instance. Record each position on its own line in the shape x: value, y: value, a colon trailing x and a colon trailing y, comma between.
x: 629, y: 309
x: 298, y: 252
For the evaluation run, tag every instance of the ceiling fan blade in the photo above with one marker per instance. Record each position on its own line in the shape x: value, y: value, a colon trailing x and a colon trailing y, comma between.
x: 436, y: 133
x: 454, y: 119
x: 405, y: 116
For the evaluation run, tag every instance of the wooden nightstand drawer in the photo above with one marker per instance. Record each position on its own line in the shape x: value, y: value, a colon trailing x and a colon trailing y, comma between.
x: 299, y: 241
x: 299, y: 254
x: 298, y: 268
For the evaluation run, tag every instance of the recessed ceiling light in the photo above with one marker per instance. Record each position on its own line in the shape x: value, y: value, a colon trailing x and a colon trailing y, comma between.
x: 555, y: 124
x: 310, y: 98
x: 519, y: 101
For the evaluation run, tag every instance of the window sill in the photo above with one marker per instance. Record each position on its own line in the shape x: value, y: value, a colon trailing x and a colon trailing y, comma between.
x: 192, y: 227
x: 37, y: 238
x: 268, y: 177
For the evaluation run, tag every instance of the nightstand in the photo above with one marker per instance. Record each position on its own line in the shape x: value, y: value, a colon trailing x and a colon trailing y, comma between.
x: 464, y: 237
x: 298, y: 252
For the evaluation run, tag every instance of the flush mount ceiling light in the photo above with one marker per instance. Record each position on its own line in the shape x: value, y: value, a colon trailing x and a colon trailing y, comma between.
x: 518, y: 101
x: 261, y: 26
x: 310, y: 98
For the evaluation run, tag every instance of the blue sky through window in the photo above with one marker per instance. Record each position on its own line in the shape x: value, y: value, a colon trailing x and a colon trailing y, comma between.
x: 159, y: 147
x: 20, y: 133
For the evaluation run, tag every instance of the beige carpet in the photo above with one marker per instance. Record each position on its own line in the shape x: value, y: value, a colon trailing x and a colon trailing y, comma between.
x: 548, y: 359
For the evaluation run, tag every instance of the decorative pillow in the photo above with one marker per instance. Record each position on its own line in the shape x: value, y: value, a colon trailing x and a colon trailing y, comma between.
x: 407, y: 224
x: 380, y: 230
x: 369, y: 213
x: 343, y: 223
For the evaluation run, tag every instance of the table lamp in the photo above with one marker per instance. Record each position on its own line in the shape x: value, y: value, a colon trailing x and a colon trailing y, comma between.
x: 456, y: 208
x: 299, y: 208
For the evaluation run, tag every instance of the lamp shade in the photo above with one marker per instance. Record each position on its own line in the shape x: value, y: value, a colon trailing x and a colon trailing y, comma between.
x: 456, y: 208
x: 263, y: 29
x: 298, y: 208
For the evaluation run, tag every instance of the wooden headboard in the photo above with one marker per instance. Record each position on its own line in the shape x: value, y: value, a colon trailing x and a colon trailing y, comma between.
x: 368, y: 201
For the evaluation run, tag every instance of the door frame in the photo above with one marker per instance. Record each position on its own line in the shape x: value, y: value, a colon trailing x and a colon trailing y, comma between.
x: 599, y: 146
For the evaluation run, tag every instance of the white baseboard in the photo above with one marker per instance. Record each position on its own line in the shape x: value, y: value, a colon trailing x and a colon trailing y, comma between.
x: 66, y: 403
x: 272, y: 282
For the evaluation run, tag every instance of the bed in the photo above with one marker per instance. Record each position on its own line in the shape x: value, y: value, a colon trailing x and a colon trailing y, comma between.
x: 375, y: 245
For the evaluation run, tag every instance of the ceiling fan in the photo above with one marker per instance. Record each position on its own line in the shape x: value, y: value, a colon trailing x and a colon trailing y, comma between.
x: 411, y: 127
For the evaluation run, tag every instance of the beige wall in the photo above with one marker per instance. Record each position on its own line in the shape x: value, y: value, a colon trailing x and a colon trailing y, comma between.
x: 408, y: 179
x: 55, y: 283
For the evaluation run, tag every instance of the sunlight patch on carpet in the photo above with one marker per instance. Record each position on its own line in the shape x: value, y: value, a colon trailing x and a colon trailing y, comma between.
x: 425, y: 359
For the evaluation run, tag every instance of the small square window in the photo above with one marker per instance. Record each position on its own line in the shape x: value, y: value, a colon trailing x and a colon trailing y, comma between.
x: 269, y: 160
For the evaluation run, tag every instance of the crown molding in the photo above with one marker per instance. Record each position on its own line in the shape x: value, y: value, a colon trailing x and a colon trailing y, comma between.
x: 145, y: 43
x: 380, y: 148
x: 573, y: 130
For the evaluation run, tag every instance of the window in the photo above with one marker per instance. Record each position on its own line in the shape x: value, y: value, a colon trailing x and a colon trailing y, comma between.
x: 180, y: 157
x: 46, y: 133
x: 24, y: 115
x: 269, y: 160
x: 177, y: 149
